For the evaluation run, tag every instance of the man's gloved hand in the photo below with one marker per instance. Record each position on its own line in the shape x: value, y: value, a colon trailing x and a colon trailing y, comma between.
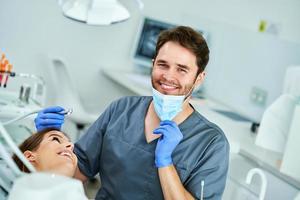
x: 171, y: 136
x: 49, y: 118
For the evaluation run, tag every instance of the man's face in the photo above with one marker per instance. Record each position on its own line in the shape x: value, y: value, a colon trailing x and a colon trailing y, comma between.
x: 174, y: 70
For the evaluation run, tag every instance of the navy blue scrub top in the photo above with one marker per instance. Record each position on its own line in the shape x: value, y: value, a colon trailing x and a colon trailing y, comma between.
x: 115, y: 146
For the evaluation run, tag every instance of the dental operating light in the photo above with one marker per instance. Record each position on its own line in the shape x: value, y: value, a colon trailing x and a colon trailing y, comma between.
x: 96, y: 12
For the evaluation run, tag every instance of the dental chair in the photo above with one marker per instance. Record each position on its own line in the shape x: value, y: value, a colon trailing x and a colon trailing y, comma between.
x: 68, y: 96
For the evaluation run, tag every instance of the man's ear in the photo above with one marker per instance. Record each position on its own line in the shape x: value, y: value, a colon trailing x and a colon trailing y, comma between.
x: 31, y: 156
x: 200, y: 78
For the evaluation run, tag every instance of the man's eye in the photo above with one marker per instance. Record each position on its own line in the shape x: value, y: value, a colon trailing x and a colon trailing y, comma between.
x: 162, y: 65
x: 182, y: 70
x: 56, y: 139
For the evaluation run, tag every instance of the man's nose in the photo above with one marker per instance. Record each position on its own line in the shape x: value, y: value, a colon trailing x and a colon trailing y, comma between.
x: 169, y: 75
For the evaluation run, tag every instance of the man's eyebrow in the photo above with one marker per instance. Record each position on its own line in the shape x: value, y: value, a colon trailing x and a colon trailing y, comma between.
x: 161, y: 61
x: 179, y: 65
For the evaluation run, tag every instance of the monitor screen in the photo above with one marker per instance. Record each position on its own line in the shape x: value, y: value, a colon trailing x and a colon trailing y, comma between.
x: 145, y: 47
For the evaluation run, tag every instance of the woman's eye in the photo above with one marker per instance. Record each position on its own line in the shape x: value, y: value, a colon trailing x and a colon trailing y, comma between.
x: 56, y: 139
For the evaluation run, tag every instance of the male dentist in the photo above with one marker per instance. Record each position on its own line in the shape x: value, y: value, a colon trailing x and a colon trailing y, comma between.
x: 156, y: 147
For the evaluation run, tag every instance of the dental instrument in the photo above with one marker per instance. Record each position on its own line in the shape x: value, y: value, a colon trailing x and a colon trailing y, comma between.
x: 202, y: 187
x: 5, y: 69
x: 64, y: 112
x: 9, y: 67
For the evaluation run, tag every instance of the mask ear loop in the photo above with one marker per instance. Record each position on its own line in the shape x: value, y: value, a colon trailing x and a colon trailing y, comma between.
x: 191, y: 90
x: 189, y: 93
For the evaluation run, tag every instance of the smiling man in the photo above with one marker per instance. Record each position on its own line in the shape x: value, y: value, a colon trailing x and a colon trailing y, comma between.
x: 156, y: 147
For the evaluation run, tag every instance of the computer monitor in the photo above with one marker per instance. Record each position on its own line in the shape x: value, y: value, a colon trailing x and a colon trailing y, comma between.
x: 146, y: 41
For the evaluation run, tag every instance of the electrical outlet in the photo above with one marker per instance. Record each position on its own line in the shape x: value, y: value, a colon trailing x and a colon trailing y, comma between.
x: 258, y: 96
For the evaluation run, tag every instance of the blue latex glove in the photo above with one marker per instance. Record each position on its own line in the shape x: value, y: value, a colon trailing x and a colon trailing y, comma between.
x: 171, y: 136
x: 49, y: 118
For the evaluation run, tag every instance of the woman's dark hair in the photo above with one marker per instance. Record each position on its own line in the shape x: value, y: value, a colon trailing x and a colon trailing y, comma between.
x: 188, y: 38
x: 32, y: 143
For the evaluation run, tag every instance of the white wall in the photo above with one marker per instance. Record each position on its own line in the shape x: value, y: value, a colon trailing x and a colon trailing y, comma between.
x: 32, y: 30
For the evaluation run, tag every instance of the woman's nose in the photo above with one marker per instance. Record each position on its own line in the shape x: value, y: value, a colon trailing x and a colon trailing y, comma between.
x: 70, y: 145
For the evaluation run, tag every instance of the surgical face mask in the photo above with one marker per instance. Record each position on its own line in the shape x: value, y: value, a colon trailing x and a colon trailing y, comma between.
x: 167, y: 106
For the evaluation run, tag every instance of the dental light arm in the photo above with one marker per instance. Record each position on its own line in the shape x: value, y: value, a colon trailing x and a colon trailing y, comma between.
x: 6, y: 156
x: 65, y: 112
x: 15, y: 149
x: 20, y: 117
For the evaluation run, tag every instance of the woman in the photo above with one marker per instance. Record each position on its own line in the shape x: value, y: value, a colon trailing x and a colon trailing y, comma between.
x: 49, y: 151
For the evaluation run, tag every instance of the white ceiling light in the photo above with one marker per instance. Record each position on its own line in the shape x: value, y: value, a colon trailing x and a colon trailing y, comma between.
x: 95, y: 12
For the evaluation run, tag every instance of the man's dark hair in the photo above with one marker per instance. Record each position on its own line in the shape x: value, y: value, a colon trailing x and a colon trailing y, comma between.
x: 188, y: 38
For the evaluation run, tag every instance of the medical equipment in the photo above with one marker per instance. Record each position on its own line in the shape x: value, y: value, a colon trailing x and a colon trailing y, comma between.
x: 145, y: 43
x: 263, y: 181
x: 276, y: 120
x: 14, y: 149
x: 56, y: 121
x: 290, y: 161
x: 24, y: 93
x: 202, y: 188
x: 64, y: 112
x: 275, y: 124
x: 8, y: 166
x: 95, y: 12
x: 38, y: 95
x: 67, y: 112
x: 167, y: 106
x: 5, y: 70
x: 279, y: 129
x: 39, y: 87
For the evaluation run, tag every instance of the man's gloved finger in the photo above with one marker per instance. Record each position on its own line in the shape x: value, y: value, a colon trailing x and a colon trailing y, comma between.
x: 46, y: 122
x: 160, y: 130
x: 40, y: 128
x: 52, y: 116
x: 53, y: 109
x: 167, y: 122
x: 171, y: 125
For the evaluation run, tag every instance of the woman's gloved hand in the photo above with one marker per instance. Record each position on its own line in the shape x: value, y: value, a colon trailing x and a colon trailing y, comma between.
x: 171, y: 136
x: 49, y: 118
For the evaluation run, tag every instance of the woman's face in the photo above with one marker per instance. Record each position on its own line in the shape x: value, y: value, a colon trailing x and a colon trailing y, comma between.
x: 54, y: 154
